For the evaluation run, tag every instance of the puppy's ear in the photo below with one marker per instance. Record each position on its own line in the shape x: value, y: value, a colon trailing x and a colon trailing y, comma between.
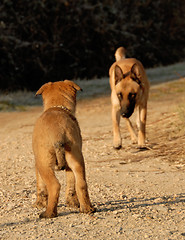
x: 41, y: 89
x: 74, y: 85
x: 118, y: 74
x: 135, y: 74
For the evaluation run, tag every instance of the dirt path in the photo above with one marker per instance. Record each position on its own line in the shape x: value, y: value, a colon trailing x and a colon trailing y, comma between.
x: 138, y: 194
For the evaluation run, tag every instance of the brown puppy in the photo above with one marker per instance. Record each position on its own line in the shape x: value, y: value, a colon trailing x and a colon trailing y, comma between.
x: 57, y: 143
x: 129, y: 89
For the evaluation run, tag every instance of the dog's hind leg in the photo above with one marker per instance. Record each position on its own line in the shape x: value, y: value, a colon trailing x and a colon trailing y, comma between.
x: 71, y: 196
x: 75, y: 162
x: 131, y: 130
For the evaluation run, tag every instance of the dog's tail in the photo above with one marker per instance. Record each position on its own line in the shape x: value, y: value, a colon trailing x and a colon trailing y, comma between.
x: 120, y: 53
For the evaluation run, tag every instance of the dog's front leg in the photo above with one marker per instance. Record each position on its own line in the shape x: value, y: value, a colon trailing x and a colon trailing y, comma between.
x: 142, y: 126
x: 116, y: 128
x: 75, y: 161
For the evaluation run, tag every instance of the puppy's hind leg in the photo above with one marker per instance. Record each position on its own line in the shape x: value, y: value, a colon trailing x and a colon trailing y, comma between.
x: 53, y: 189
x: 75, y: 162
x: 71, y: 196
x: 42, y: 194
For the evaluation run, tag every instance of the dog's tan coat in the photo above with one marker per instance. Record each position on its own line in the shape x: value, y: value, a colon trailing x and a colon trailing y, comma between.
x: 57, y: 143
x: 121, y: 73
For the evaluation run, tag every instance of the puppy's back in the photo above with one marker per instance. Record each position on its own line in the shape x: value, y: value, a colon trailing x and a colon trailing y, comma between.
x: 53, y: 127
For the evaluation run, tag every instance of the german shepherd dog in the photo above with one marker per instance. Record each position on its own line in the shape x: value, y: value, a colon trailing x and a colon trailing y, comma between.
x: 57, y: 144
x: 129, y: 90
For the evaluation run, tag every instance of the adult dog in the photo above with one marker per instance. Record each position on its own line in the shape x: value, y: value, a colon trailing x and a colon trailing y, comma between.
x: 57, y: 144
x: 129, y: 89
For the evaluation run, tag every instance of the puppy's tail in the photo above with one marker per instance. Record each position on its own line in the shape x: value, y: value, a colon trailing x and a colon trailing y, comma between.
x: 120, y: 53
x: 60, y: 156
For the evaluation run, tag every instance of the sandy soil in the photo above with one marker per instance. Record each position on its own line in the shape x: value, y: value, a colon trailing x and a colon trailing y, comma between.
x: 138, y: 194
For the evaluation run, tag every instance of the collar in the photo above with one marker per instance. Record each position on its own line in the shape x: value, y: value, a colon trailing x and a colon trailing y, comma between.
x: 63, y: 108
x: 66, y: 110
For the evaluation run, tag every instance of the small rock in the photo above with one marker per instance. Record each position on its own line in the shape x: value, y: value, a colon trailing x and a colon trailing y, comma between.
x: 124, y: 197
x: 132, y: 199
x: 158, y: 200
x: 123, y: 162
x: 162, y: 208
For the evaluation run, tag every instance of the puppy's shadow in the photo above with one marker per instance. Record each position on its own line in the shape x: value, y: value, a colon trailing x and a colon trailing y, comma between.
x: 65, y: 210
x: 66, y: 213
x: 135, y: 203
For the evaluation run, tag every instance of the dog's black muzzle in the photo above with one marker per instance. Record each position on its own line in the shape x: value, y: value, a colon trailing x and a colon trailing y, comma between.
x: 126, y: 115
x: 128, y: 112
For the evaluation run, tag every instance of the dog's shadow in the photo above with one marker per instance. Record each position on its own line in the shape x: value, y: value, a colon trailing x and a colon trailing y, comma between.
x: 136, y: 149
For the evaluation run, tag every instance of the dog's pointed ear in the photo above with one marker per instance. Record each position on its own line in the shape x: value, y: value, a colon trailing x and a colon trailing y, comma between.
x: 135, y: 73
x: 42, y: 88
x: 74, y: 85
x: 118, y: 74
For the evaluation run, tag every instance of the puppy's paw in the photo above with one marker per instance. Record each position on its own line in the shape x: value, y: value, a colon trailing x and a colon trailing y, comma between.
x: 48, y: 215
x: 39, y: 204
x: 72, y: 202
x: 87, y: 209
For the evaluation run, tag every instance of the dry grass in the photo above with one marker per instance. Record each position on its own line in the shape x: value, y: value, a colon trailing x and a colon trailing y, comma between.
x: 96, y: 87
x: 181, y: 116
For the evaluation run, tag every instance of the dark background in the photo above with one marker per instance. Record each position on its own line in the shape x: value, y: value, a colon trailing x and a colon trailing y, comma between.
x: 51, y: 40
